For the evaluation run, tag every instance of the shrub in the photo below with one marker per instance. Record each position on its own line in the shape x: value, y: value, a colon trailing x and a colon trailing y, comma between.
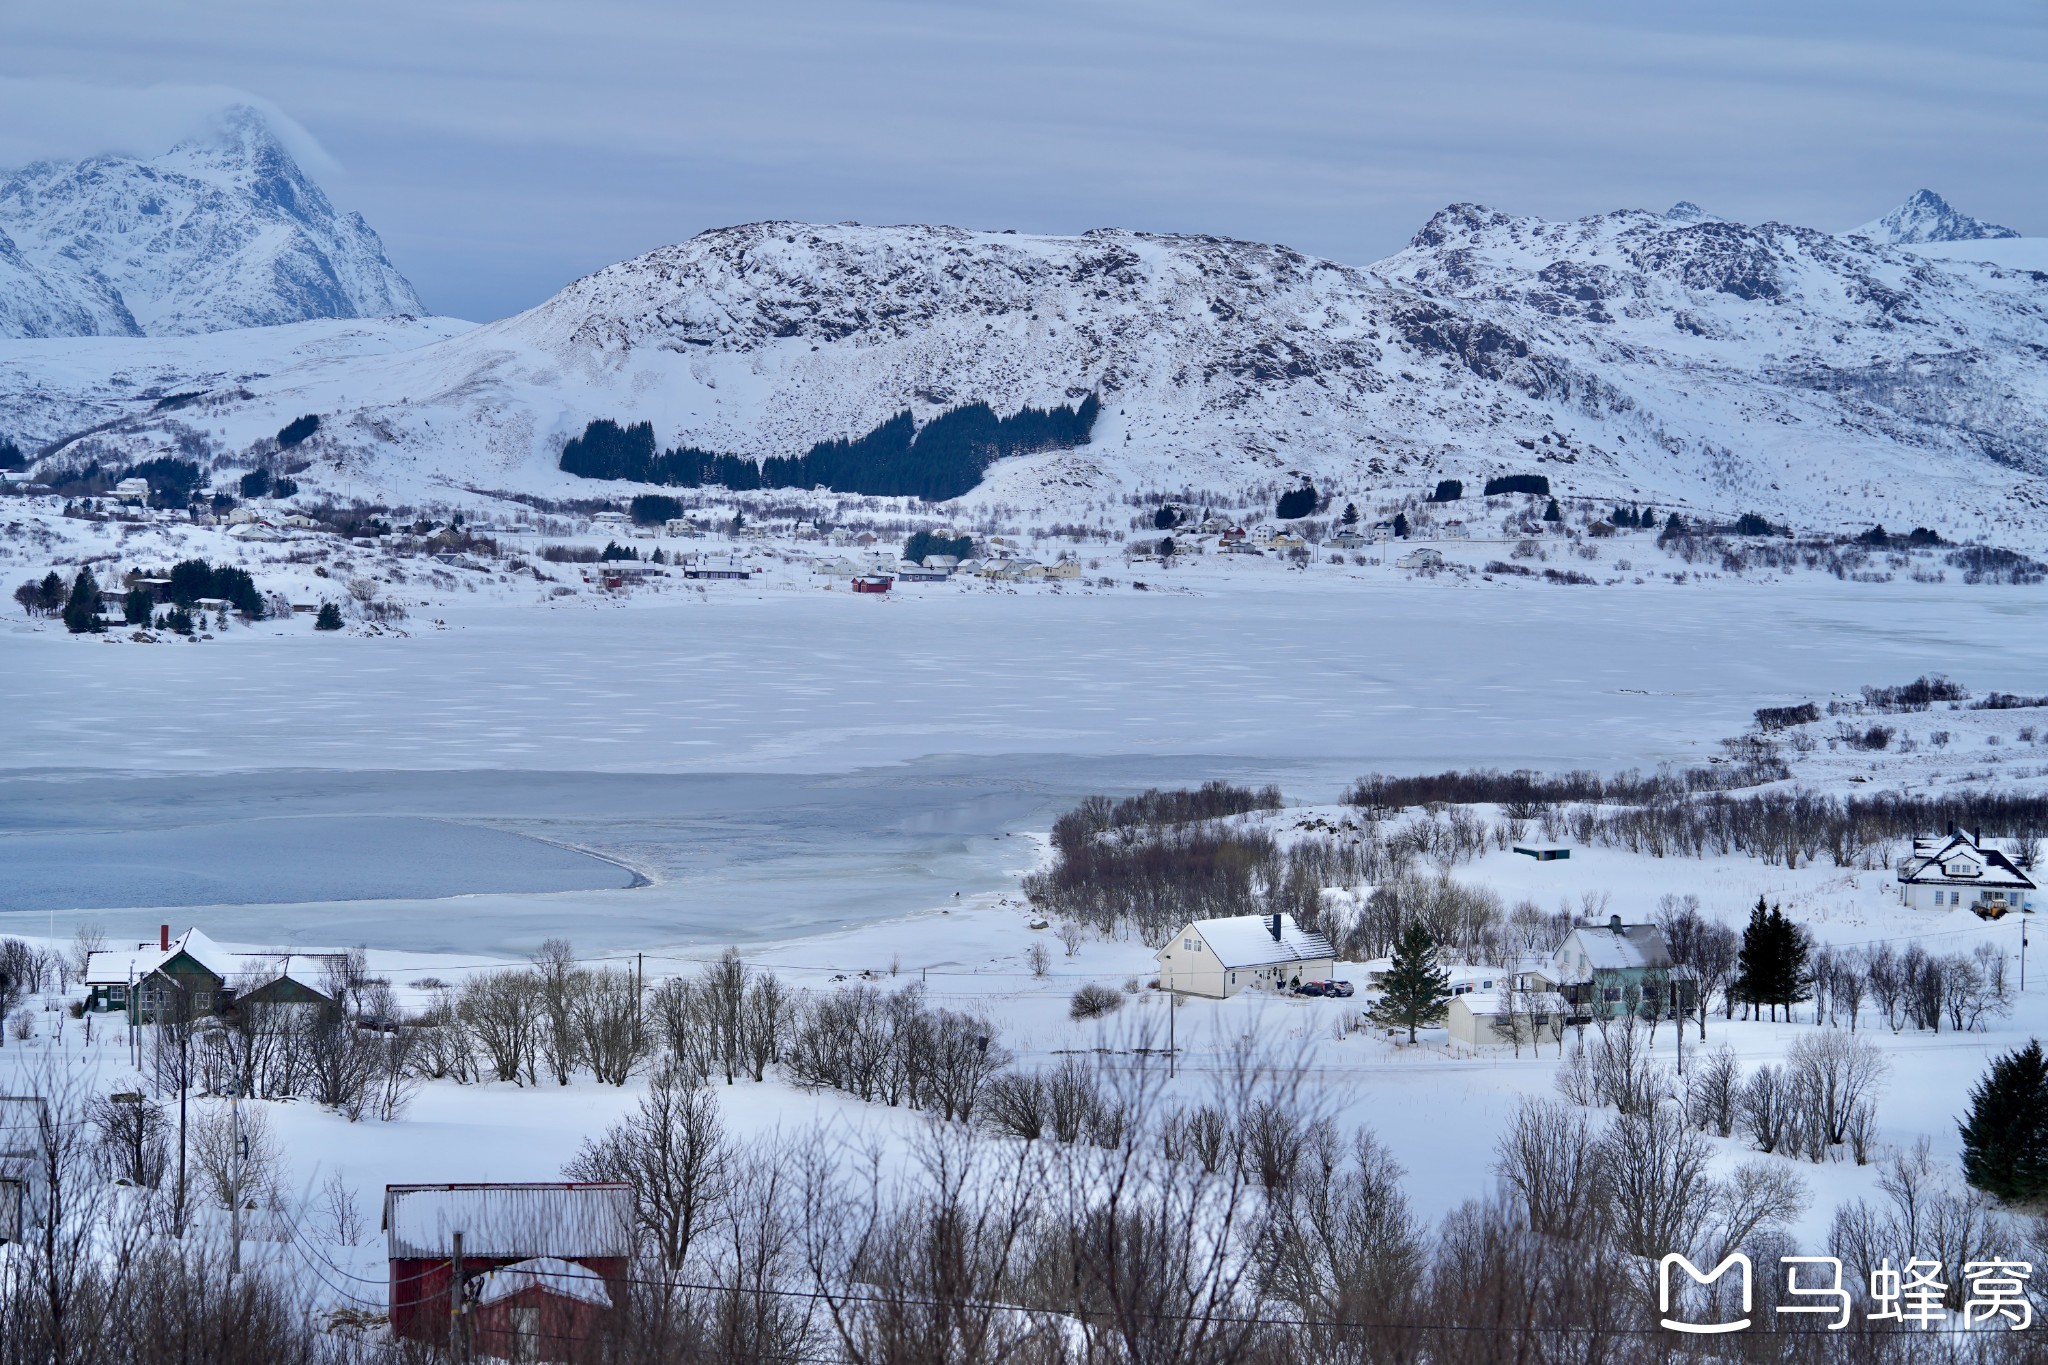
x: 568, y: 554
x: 1874, y: 738
x: 1537, y: 484
x: 1785, y: 717
x: 1093, y: 1001
x: 1916, y: 695
x: 653, y: 509
x: 2007, y: 701
x: 923, y: 544
x: 297, y: 430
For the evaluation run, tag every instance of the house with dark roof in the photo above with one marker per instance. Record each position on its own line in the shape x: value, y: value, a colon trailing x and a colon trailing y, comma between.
x: 1962, y: 870
x: 171, y: 977
x: 1220, y: 957
x: 1603, y: 971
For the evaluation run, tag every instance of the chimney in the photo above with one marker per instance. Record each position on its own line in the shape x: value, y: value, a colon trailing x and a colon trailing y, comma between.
x: 1273, y: 923
x: 163, y: 938
x: 1614, y: 923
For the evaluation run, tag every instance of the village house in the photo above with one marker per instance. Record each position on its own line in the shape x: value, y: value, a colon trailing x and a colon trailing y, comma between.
x: 1603, y: 970
x: 712, y: 568
x: 946, y: 562
x: 23, y: 1119
x: 165, y: 979
x: 193, y: 975
x: 131, y: 490
x: 1422, y: 557
x: 1218, y: 958
x: 1965, y: 869
x: 1502, y: 1018
x: 512, y: 1263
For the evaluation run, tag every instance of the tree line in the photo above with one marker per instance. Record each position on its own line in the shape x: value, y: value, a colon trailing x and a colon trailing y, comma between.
x: 942, y: 459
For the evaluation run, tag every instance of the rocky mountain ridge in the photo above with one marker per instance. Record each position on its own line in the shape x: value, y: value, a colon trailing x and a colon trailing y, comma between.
x: 1677, y: 358
x: 218, y: 233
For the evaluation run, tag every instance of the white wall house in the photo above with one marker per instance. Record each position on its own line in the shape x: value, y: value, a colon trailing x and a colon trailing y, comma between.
x: 1220, y: 957
x: 1964, y: 870
x: 1482, y: 1019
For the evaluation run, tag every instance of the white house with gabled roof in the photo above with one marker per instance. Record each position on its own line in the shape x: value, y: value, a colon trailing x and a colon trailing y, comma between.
x: 1218, y: 958
x: 1964, y: 869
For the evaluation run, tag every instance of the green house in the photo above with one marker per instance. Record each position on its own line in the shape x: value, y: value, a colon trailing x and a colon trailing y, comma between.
x: 168, y: 979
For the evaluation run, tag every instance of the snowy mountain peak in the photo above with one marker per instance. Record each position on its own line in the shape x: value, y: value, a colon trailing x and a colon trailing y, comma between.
x: 1685, y: 211
x: 219, y: 232
x: 1927, y: 217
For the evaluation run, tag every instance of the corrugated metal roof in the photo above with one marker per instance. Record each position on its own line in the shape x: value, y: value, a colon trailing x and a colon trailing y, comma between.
x: 520, y: 1221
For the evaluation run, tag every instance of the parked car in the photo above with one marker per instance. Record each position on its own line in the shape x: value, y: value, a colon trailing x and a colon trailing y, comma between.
x: 1311, y: 988
x: 1339, y: 990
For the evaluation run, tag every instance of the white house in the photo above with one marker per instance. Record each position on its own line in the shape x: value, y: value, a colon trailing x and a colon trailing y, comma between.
x: 131, y: 490
x: 1482, y: 1018
x: 1965, y: 869
x: 1422, y: 557
x: 1220, y: 957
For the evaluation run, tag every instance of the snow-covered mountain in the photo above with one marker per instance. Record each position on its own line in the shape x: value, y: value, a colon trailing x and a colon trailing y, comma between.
x: 1680, y: 359
x: 218, y: 233
x: 1927, y: 217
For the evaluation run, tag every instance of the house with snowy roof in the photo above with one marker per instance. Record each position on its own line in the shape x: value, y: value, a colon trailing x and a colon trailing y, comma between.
x: 1965, y: 869
x: 1218, y: 958
x: 518, y: 1262
x: 1604, y: 970
x: 164, y: 979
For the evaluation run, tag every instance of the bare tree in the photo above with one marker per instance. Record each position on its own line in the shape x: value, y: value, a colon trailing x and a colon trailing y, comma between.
x: 604, y: 1020
x: 560, y: 984
x: 504, y: 1014
x: 673, y: 1152
x: 1712, y: 1091
x: 1549, y: 1160
x: 1835, y: 1074
x: 237, y: 1159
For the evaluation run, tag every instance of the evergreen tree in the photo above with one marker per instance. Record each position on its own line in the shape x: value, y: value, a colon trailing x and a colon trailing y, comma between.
x: 137, y: 606
x: 2005, y: 1137
x: 1167, y: 548
x: 1401, y: 525
x: 1675, y: 526
x: 658, y: 558
x: 1296, y: 503
x: 50, y: 594
x: 1772, y: 966
x: 1351, y: 514
x: 11, y: 457
x: 1165, y: 519
x: 256, y: 483
x: 297, y: 430
x: 1551, y: 513
x: 82, y: 611
x: 1448, y: 490
x: 1415, y: 992
x: 329, y: 617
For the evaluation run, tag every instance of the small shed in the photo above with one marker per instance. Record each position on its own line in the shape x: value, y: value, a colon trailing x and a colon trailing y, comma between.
x: 872, y: 582
x: 1544, y: 853
x: 540, y: 1309
x: 550, y: 1239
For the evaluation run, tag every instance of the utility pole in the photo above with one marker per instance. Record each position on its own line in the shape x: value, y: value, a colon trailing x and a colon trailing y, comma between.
x: 235, y: 1204
x: 458, y: 1304
x: 1172, y: 1048
x: 2023, y: 954
x: 184, y: 1088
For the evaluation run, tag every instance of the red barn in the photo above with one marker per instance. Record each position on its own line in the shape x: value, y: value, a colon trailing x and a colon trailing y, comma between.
x: 544, y: 1253
x: 871, y: 582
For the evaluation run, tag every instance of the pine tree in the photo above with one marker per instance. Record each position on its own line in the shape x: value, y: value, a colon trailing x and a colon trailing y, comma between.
x: 1296, y: 503
x: 50, y: 593
x: 1551, y: 513
x: 137, y: 606
x: 1401, y: 525
x: 82, y: 611
x: 329, y: 617
x: 2005, y: 1138
x: 1753, y: 961
x: 1165, y: 519
x: 1415, y: 992
x: 1351, y: 514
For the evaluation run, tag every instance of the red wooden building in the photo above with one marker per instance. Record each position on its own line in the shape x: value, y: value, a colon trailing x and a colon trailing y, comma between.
x: 541, y: 1264
x: 871, y: 582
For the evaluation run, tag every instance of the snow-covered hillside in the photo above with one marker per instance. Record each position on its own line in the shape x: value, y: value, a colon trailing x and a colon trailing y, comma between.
x: 1927, y: 217
x: 219, y: 233
x: 1680, y: 359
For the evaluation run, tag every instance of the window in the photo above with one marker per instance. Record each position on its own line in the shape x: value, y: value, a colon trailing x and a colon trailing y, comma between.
x: 1612, y: 995
x: 202, y: 1000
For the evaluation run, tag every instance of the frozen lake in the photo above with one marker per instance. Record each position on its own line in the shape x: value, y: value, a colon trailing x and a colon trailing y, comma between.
x: 791, y: 764
x: 1417, y: 673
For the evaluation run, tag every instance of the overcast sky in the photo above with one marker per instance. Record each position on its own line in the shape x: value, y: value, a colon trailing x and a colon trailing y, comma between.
x: 504, y: 147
